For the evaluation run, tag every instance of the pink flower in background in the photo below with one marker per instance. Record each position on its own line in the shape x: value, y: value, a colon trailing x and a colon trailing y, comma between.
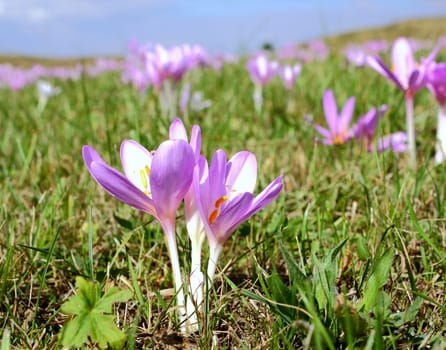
x: 365, y: 127
x: 436, y: 82
x: 338, y: 131
x: 409, y: 77
x: 261, y: 69
x: 355, y: 55
x: 397, y: 142
x: 406, y: 74
x: 289, y: 74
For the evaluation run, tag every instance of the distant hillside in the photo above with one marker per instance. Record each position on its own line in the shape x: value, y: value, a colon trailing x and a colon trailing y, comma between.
x: 429, y: 29
x: 424, y: 29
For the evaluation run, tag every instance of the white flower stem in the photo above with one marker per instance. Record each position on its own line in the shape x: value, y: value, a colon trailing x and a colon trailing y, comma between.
x: 440, y: 153
x: 410, y: 128
x: 176, y: 270
x: 195, y: 298
x: 258, y: 98
x: 168, y: 99
x: 212, y: 263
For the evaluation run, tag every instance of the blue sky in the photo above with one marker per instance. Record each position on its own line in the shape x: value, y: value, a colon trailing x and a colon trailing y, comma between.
x: 102, y: 27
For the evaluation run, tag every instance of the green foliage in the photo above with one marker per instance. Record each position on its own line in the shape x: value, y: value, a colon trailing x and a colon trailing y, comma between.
x: 93, y: 316
x: 377, y: 279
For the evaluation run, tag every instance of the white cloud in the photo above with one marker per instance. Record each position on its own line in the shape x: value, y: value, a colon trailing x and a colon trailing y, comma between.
x: 41, y: 10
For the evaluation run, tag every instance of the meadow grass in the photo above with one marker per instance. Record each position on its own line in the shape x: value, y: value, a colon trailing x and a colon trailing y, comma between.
x: 351, y: 255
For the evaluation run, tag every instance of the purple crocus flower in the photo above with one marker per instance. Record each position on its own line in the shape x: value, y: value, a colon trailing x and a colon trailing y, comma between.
x: 155, y: 184
x: 436, y: 78
x: 355, y: 55
x: 225, y: 199
x: 397, y: 142
x: 365, y: 127
x: 338, y: 131
x: 436, y: 82
x: 289, y: 74
x: 261, y: 69
x: 409, y: 77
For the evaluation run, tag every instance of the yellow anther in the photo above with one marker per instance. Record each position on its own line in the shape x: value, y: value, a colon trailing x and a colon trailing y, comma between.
x: 143, y: 179
x: 147, y: 169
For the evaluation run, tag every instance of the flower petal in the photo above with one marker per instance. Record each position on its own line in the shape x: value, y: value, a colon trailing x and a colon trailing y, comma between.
x: 330, y: 110
x: 195, y: 140
x: 231, y: 216
x: 177, y: 131
x: 242, y: 174
x: 137, y: 163
x: 403, y: 61
x: 172, y: 170
x: 377, y: 64
x: 120, y: 187
x: 90, y: 155
x: 346, y: 115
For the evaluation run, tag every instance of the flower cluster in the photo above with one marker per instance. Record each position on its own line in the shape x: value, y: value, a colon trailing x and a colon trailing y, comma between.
x: 217, y: 199
x: 262, y: 70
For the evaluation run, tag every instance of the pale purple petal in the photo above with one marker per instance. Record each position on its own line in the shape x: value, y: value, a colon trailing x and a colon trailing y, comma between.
x: 90, y: 155
x: 403, y: 61
x: 251, y: 207
x: 377, y: 64
x: 120, y: 187
x: 266, y: 196
x: 396, y: 142
x: 217, y: 175
x: 177, y: 131
x: 346, y: 115
x: 330, y: 110
x: 195, y: 140
x: 231, y: 216
x: 172, y: 170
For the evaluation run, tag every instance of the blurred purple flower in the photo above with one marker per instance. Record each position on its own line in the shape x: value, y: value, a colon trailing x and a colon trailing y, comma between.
x: 365, y: 127
x: 289, y: 74
x: 436, y: 78
x: 338, y: 131
x: 409, y: 77
x: 397, y: 142
x: 261, y: 69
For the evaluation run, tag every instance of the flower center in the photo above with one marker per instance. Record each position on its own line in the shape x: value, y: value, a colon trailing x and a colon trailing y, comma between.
x: 216, y: 211
x: 339, y: 139
x: 145, y: 175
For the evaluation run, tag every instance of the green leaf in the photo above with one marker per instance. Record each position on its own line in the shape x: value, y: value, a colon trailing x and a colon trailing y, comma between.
x: 361, y: 248
x: 75, y: 332
x: 377, y: 280
x: 93, y: 316
x: 113, y: 295
x: 124, y: 222
x: 296, y: 275
x: 104, y: 331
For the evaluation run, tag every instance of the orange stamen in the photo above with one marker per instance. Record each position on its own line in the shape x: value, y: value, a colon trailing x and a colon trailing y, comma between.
x: 213, y: 216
